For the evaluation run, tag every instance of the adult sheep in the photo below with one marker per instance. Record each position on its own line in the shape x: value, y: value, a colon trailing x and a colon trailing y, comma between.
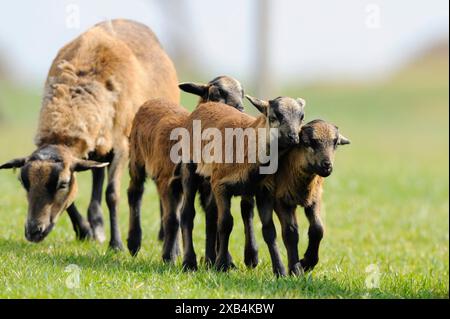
x: 94, y: 88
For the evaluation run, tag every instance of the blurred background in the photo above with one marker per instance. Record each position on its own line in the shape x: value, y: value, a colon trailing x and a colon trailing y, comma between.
x: 378, y: 69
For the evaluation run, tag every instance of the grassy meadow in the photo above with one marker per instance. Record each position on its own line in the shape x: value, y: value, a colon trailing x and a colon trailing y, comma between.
x: 386, y: 209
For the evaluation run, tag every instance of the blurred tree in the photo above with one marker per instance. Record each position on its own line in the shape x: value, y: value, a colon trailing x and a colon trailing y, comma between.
x: 263, y: 85
x: 180, y: 36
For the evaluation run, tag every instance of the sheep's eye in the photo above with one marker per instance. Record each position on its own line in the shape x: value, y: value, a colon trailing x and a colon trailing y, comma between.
x: 302, y: 117
x: 223, y: 92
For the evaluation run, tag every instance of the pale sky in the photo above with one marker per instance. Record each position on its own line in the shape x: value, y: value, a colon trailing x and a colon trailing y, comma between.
x: 309, y: 40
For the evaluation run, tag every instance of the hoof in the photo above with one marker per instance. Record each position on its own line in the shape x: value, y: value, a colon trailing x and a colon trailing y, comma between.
x: 279, y: 271
x: 224, y: 264
x: 133, y: 246
x: 115, y: 246
x: 209, y: 262
x: 251, y: 259
x: 84, y: 233
x: 297, y: 270
x: 308, y: 265
x: 99, y: 233
x: 190, y: 265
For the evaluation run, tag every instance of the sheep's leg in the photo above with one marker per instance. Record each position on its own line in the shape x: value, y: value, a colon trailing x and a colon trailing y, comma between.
x: 80, y: 225
x: 170, y: 201
x: 113, y: 195
x: 251, y: 249
x: 211, y: 233
x: 95, y: 214
x: 289, y: 228
x: 265, y: 210
x: 161, y: 229
x: 315, y: 234
x: 224, y: 227
x: 190, y: 185
x: 209, y: 206
x: 135, y: 192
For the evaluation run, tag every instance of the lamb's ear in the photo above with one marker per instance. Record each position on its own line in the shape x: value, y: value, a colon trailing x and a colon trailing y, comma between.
x: 15, y: 163
x: 301, y: 101
x: 259, y: 104
x: 214, y: 94
x: 194, y: 88
x: 83, y: 165
x: 343, y: 140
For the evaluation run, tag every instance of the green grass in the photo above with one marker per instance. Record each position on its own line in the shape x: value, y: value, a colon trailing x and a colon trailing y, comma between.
x: 385, y: 204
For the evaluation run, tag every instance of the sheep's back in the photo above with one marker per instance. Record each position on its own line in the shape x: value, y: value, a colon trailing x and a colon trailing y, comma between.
x: 150, y: 142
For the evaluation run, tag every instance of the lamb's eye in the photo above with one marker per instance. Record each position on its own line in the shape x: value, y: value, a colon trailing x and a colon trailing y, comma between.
x: 302, y: 117
x: 223, y: 93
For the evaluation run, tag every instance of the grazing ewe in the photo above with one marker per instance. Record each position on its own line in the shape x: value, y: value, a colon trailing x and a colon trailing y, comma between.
x: 238, y: 177
x: 94, y: 87
x: 150, y: 147
x: 299, y: 181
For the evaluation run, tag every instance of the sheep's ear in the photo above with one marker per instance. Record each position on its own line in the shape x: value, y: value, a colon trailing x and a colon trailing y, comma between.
x: 194, y: 88
x: 213, y: 94
x: 15, y: 163
x: 83, y: 165
x: 343, y: 140
x: 301, y: 101
x: 261, y: 105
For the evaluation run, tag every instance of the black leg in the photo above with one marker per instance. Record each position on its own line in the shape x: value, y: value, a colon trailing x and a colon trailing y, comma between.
x: 119, y: 159
x: 224, y: 227
x: 289, y: 228
x: 95, y: 215
x: 135, y: 192
x: 170, y: 200
x: 190, y: 185
x: 80, y: 226
x: 315, y: 235
x: 210, y: 208
x: 265, y: 210
x: 112, y: 200
x: 251, y: 249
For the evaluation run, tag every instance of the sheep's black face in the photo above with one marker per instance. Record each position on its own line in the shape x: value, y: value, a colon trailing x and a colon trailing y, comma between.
x: 321, y: 140
x: 223, y: 89
x: 49, y: 181
x: 286, y: 115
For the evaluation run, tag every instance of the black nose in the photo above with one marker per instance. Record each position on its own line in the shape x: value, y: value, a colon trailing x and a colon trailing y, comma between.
x: 34, y: 233
x: 293, y: 138
x: 326, y: 164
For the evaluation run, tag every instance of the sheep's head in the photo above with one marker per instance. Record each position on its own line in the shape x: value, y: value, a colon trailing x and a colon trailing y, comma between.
x: 48, y: 176
x: 223, y: 89
x: 320, y: 140
x: 285, y: 114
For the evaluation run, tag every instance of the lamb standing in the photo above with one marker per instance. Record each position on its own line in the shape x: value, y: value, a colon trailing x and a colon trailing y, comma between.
x: 150, y: 148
